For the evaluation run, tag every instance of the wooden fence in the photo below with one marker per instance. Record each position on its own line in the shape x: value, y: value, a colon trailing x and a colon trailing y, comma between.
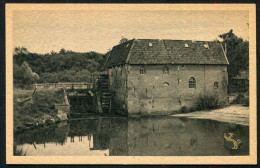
x: 64, y: 85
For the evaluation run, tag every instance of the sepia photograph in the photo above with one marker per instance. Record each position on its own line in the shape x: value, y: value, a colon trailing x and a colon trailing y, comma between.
x: 93, y: 81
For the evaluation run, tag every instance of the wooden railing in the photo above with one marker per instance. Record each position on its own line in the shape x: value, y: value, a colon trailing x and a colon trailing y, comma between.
x: 65, y: 85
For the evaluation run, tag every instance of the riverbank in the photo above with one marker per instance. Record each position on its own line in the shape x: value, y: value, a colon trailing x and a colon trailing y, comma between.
x: 37, y: 108
x: 236, y: 114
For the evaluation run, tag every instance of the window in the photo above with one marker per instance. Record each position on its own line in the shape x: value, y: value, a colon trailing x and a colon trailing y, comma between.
x: 165, y: 70
x: 142, y: 70
x: 206, y: 46
x: 116, y: 73
x: 192, y: 83
x: 215, y: 85
x: 166, y: 84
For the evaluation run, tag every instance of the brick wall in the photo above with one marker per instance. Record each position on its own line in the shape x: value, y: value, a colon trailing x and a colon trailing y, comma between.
x: 157, y: 93
x: 117, y: 82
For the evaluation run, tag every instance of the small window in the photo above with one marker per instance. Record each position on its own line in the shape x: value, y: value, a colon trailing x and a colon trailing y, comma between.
x: 206, y: 46
x: 166, y: 84
x: 192, y: 83
x: 186, y: 45
x: 150, y: 44
x: 116, y: 73
x: 142, y: 70
x: 215, y: 85
x: 165, y: 70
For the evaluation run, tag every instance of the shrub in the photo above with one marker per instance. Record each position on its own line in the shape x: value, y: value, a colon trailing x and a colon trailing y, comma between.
x: 41, y: 103
x: 207, y: 102
x: 184, y: 109
x: 242, y: 99
x: 192, y: 109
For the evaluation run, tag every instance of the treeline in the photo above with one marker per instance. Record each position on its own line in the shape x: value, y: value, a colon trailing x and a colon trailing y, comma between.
x: 64, y: 66
x: 69, y: 66
x: 237, y: 53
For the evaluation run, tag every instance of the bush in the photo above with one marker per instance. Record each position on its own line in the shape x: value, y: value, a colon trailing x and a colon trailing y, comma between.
x: 41, y: 104
x: 242, y: 99
x: 208, y: 102
x: 184, y: 109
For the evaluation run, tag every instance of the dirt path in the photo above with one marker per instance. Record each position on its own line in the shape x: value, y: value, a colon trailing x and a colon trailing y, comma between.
x: 237, y: 114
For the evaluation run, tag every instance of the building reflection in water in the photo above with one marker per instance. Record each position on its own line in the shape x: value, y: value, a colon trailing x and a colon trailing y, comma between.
x: 144, y: 136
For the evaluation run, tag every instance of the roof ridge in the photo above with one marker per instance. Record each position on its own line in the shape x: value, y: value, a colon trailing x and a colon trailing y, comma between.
x: 124, y: 42
x: 138, y: 51
x: 179, y: 40
x: 148, y: 39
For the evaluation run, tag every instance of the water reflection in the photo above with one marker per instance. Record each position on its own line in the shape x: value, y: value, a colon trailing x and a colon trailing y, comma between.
x: 145, y: 136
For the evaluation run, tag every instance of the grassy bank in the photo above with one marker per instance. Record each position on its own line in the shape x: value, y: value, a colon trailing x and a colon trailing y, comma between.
x: 36, y: 109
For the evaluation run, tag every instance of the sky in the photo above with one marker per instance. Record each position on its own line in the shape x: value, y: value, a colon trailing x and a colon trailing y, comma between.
x: 86, y: 30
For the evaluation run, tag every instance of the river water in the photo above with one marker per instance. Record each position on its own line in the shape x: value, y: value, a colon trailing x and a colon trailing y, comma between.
x: 143, y: 136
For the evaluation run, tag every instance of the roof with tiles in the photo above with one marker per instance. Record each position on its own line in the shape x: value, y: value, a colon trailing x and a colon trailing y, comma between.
x: 119, y: 54
x: 152, y: 51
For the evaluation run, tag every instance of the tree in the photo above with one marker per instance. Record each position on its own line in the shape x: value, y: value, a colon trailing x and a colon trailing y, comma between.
x: 20, y: 50
x: 53, y: 52
x: 237, y: 53
x: 24, y: 76
x: 62, y: 51
x: 123, y: 39
x: 56, y: 66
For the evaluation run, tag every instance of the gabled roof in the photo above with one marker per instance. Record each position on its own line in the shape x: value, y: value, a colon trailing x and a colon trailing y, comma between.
x: 153, y: 51
x: 119, y: 54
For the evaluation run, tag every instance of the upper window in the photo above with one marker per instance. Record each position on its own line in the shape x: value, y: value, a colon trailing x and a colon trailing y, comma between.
x: 206, y: 45
x: 142, y: 70
x: 216, y: 85
x: 166, y: 84
x: 192, y: 83
x: 166, y: 70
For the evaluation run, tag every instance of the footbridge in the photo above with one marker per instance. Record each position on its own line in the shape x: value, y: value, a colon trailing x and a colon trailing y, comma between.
x: 83, y: 98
